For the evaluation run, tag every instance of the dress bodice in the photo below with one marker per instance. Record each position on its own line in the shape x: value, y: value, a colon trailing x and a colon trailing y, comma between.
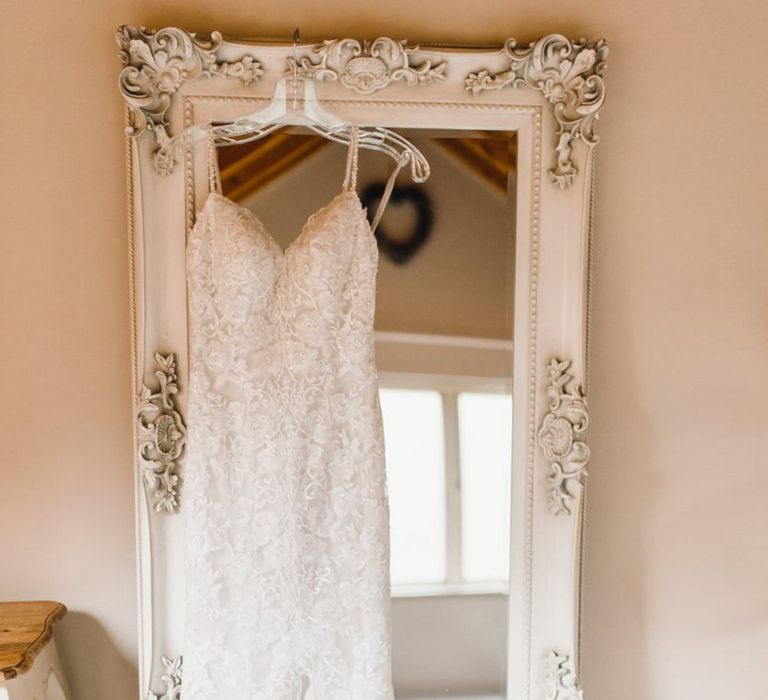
x: 245, y: 264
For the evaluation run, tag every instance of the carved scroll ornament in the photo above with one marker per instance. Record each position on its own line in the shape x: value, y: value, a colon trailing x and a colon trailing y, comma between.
x: 172, y: 680
x: 562, y: 436
x: 561, y: 680
x: 569, y: 75
x: 161, y: 435
x: 368, y: 66
x: 157, y: 63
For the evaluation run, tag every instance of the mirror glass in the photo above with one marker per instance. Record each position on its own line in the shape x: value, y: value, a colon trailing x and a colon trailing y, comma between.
x: 444, y: 344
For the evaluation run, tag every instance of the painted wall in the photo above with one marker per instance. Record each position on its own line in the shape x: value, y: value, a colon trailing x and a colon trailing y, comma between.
x: 677, y: 566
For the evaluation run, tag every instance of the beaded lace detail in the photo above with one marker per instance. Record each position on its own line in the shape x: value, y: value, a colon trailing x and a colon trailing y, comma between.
x: 286, y: 517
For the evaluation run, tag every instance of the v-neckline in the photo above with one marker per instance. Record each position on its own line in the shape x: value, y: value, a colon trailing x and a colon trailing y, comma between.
x: 268, y: 234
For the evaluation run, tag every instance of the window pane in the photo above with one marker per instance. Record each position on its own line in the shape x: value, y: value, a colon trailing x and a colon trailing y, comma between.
x: 485, y: 437
x: 413, y: 434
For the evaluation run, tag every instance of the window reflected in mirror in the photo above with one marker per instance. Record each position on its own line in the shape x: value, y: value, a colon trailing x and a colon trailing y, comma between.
x: 444, y: 342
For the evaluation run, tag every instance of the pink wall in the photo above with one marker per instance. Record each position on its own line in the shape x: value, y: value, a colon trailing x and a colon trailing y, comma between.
x: 677, y: 564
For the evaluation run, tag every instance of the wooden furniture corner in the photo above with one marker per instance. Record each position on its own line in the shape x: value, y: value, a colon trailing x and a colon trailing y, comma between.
x: 25, y: 629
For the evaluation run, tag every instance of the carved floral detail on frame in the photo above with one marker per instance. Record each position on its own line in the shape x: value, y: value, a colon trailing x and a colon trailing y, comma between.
x: 561, y: 680
x: 562, y: 436
x: 161, y: 434
x: 367, y: 67
x: 569, y: 75
x: 156, y: 64
x: 172, y: 680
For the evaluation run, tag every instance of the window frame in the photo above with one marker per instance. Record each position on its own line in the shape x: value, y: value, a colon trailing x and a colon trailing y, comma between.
x: 449, y: 387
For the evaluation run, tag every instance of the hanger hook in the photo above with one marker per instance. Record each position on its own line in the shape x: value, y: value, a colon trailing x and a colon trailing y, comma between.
x: 295, y: 59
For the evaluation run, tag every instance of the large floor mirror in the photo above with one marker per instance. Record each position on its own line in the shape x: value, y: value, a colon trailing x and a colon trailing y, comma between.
x: 481, y: 328
x: 444, y: 348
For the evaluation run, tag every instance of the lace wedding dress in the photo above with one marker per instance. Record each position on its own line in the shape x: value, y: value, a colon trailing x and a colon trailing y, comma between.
x: 286, y: 517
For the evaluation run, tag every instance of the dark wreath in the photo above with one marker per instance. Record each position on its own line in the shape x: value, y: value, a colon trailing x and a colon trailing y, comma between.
x: 402, y: 248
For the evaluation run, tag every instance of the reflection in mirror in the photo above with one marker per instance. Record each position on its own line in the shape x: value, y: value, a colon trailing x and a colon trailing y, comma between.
x: 444, y: 352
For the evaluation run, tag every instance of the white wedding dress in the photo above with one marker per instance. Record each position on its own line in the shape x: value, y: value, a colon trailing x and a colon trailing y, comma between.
x: 285, y: 503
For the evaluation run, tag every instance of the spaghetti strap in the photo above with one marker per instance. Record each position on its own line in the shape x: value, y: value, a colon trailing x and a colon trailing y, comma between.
x: 214, y: 177
x: 388, y: 190
x: 350, y: 174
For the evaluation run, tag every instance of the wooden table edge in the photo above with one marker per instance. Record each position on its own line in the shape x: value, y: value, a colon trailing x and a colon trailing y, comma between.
x: 34, y: 648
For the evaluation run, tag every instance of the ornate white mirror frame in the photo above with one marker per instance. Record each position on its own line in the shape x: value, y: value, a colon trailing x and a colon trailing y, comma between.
x: 550, y: 93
